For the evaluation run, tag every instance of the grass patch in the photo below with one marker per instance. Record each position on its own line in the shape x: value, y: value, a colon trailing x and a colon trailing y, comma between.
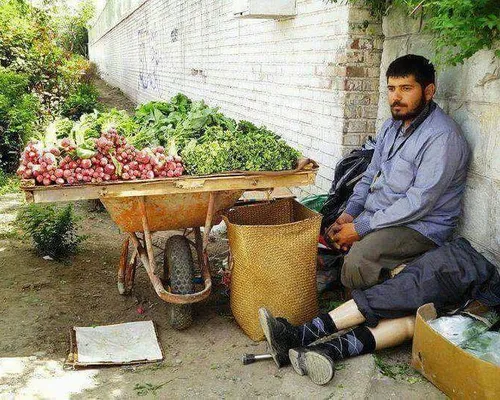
x: 9, y: 183
x: 11, y: 235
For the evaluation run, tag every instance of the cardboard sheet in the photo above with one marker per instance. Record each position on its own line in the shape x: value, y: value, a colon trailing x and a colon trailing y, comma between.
x: 128, y: 343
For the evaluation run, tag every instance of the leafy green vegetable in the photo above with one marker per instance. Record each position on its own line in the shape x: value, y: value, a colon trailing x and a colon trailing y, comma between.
x: 263, y: 150
x: 159, y: 121
x: 62, y: 127
x: 208, y: 141
x: 57, y: 129
x: 179, y: 104
x: 206, y: 158
x: 118, y: 119
x: 221, y: 150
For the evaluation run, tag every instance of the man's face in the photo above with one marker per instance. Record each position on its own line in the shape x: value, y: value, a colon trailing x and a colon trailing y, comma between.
x: 406, y: 97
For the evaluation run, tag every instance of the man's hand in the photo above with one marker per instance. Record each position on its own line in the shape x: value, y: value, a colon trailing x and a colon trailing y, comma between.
x: 344, y: 218
x: 346, y: 236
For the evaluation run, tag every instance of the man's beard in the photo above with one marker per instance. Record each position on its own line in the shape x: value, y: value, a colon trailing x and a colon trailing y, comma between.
x: 410, y: 114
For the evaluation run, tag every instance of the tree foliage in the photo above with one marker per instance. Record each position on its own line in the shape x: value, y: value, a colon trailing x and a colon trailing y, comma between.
x: 41, y: 69
x: 460, y: 28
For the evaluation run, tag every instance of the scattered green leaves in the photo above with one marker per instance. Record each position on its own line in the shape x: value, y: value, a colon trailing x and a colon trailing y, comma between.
x: 339, y: 366
x: 143, y: 389
x: 393, y: 370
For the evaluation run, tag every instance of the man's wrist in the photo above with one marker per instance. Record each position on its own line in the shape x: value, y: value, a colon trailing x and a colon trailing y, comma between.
x: 362, y: 226
x: 354, y: 209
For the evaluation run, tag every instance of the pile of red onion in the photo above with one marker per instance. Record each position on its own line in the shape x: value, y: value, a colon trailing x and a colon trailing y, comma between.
x: 112, y: 160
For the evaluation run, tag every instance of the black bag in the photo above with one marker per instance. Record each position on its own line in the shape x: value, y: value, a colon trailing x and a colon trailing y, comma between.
x: 348, y: 171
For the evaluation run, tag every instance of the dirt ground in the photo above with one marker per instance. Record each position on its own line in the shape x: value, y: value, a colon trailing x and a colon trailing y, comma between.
x: 113, y: 97
x: 44, y: 299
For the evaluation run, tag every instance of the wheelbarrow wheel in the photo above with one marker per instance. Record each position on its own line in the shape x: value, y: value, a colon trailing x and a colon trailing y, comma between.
x: 179, y: 268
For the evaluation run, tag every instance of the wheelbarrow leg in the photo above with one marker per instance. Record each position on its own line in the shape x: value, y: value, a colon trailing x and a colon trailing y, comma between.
x: 204, y: 265
x: 126, y: 269
x: 198, y: 241
x: 209, y: 219
x: 130, y: 272
x: 123, y: 266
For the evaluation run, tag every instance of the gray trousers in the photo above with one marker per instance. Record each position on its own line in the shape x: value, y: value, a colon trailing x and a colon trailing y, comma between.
x: 370, y: 260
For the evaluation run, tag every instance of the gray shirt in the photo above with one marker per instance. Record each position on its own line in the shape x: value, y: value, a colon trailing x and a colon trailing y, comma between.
x: 421, y: 185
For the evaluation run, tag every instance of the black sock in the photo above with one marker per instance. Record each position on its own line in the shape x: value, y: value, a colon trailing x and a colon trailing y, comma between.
x: 353, y: 343
x: 319, y: 327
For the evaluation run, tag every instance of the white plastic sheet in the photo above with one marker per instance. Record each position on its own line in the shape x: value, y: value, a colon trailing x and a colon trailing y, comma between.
x: 485, y: 346
x: 458, y: 329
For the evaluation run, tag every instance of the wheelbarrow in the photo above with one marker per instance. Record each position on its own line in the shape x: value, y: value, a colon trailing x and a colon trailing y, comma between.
x: 141, y: 208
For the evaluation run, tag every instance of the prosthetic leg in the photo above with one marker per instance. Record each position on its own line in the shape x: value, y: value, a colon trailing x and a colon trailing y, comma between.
x: 318, y: 361
x: 388, y: 333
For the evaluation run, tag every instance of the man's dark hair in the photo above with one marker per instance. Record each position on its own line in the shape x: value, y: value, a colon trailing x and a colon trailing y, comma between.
x: 420, y: 67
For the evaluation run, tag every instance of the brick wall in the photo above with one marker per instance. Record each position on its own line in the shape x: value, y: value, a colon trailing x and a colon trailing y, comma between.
x: 312, y: 78
x: 470, y: 93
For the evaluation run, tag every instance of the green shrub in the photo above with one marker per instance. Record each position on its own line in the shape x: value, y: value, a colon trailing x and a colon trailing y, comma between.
x: 40, y: 72
x: 84, y: 100
x: 30, y: 44
x: 53, y: 230
x: 18, y: 117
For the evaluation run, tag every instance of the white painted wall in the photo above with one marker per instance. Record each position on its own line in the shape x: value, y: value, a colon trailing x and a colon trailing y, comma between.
x: 312, y: 78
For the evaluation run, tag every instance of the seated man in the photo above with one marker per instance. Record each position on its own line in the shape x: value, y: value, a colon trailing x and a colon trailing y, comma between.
x: 408, y: 200
x: 446, y: 276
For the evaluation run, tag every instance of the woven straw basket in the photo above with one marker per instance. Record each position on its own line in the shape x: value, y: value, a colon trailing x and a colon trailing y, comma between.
x: 274, y: 248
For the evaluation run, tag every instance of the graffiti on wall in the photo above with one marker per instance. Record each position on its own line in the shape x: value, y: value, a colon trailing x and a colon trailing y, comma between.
x: 149, y: 58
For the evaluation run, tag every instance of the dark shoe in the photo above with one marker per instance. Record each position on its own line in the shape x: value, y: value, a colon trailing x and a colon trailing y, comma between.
x: 314, y: 363
x: 281, y: 336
